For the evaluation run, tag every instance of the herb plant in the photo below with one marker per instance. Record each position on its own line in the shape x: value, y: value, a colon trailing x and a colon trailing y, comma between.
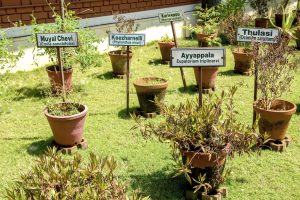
x: 230, y: 7
x: 261, y: 7
x: 276, y: 65
x: 206, y: 129
x: 86, y: 55
x: 7, y: 57
x: 166, y: 38
x: 56, y: 177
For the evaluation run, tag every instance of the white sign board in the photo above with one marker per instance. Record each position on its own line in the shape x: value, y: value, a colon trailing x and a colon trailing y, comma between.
x: 120, y: 39
x: 265, y: 35
x: 57, y: 39
x: 170, y: 16
x: 199, y: 57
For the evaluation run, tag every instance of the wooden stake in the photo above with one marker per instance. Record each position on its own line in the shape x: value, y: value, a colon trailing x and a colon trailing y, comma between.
x: 127, y: 81
x: 200, y: 87
x: 175, y: 41
x: 255, y: 92
x: 59, y: 54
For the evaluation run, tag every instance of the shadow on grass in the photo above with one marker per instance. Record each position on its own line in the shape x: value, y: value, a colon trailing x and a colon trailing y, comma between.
x: 298, y: 109
x: 39, y: 147
x: 159, y: 185
x: 38, y: 92
x: 228, y: 73
x: 156, y: 62
x: 190, y: 89
x: 104, y: 76
x: 124, y: 115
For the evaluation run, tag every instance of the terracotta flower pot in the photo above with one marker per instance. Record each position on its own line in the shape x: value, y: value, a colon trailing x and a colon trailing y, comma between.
x: 278, y: 20
x: 202, y: 39
x: 118, y: 60
x: 67, y: 130
x: 147, y: 89
x: 209, y: 76
x: 204, y: 160
x: 262, y: 22
x: 56, y: 81
x: 165, y: 50
x: 242, y: 60
x: 275, y: 121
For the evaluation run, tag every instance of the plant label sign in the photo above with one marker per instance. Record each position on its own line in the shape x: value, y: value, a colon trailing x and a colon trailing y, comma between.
x: 120, y: 39
x: 170, y: 16
x: 265, y: 35
x: 199, y: 57
x: 57, y: 39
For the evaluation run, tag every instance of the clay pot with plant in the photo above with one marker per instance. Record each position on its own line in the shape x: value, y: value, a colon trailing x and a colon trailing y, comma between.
x: 207, y: 25
x: 201, y: 138
x: 84, y: 56
x: 276, y: 65
x: 165, y: 45
x: 242, y: 55
x: 118, y: 57
x: 261, y: 7
x: 209, y: 74
x: 148, y: 89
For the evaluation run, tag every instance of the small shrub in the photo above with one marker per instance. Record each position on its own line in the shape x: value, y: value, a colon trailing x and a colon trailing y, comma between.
x: 261, y: 7
x: 56, y: 177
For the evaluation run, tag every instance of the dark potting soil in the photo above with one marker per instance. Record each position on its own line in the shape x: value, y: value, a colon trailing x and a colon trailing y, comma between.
x: 64, y: 109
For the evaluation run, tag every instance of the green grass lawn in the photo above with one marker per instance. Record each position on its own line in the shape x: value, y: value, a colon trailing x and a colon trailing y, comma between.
x: 145, y: 165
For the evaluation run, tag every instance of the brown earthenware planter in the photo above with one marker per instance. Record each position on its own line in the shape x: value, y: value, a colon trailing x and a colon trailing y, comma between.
x: 67, y: 130
x: 118, y: 60
x: 204, y: 160
x: 209, y: 76
x: 54, y: 75
x: 262, y: 22
x: 165, y: 50
x: 203, y: 39
x: 242, y: 60
x: 147, y: 92
x: 275, y: 121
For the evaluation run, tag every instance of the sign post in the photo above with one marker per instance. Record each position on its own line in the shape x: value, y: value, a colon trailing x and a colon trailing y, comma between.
x: 263, y: 35
x: 171, y: 17
x: 121, y: 39
x: 198, y: 57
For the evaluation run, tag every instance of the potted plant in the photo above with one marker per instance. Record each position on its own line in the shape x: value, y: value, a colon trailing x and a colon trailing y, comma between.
x: 86, y: 55
x: 262, y: 8
x: 165, y: 45
x: 242, y: 54
x: 54, y: 177
x: 148, y: 89
x: 201, y: 138
x: 209, y: 74
x: 276, y: 65
x: 8, y: 59
x: 206, y: 27
x: 118, y: 57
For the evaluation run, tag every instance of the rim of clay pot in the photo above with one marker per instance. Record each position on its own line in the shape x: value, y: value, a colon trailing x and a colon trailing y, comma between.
x: 117, y: 53
x: 242, y: 50
x: 140, y: 83
x: 160, y: 42
x: 51, y: 68
x: 70, y: 117
x: 292, y: 108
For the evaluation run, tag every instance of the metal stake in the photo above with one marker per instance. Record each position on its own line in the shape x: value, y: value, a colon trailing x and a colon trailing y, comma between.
x: 200, y: 87
x: 127, y: 81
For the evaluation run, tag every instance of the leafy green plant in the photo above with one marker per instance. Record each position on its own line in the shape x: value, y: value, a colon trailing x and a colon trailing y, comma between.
x: 7, y: 57
x: 261, y: 7
x: 230, y: 7
x: 86, y: 55
x: 276, y: 65
x: 56, y: 177
x: 206, y: 129
x: 166, y: 38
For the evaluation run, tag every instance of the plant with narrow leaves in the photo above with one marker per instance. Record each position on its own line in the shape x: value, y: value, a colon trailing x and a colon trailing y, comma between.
x: 166, y: 38
x: 230, y: 7
x: 276, y: 65
x: 56, y: 177
x: 205, y: 129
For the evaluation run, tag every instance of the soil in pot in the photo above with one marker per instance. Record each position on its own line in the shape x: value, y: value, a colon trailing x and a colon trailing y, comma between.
x: 67, y: 122
x: 118, y: 60
x: 147, y: 90
x: 165, y: 50
x: 262, y: 22
x: 276, y: 120
x: 209, y: 76
x: 242, y: 60
x: 54, y: 75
